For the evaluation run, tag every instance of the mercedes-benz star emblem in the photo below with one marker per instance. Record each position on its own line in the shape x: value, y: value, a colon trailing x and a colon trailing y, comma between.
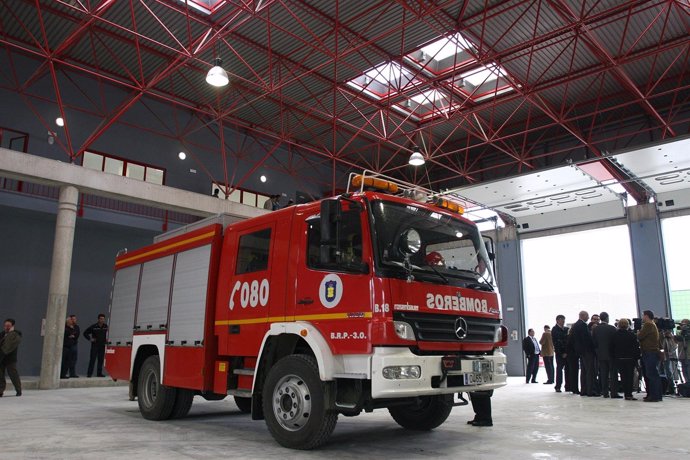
x: 460, y: 328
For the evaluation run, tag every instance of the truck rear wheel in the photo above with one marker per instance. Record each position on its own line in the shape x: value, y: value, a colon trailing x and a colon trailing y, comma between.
x: 244, y: 404
x: 294, y: 404
x: 428, y: 414
x: 156, y: 401
x: 183, y: 403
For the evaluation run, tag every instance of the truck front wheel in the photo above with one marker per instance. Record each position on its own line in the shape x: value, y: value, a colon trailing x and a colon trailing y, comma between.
x: 156, y: 401
x: 426, y: 415
x: 294, y: 404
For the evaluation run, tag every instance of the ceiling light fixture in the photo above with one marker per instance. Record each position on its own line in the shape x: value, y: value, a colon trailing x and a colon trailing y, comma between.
x: 181, y: 155
x: 217, y: 76
x: 416, y: 159
x: 262, y: 178
x: 60, y: 121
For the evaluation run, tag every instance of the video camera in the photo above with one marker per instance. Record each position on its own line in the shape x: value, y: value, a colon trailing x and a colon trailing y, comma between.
x: 637, y: 324
x: 665, y: 324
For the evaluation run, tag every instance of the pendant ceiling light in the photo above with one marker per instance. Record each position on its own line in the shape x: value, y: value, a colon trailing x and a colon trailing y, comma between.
x: 217, y: 76
x: 416, y: 159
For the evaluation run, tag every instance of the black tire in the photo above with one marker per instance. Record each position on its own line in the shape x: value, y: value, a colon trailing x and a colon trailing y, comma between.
x: 156, y: 401
x: 294, y: 404
x: 430, y: 413
x: 183, y: 403
x: 244, y: 404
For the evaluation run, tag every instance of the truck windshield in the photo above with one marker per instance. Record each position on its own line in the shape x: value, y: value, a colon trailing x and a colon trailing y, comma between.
x: 450, y: 249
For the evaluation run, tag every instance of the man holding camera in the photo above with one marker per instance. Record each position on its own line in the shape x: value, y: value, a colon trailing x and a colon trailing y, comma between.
x: 648, y: 336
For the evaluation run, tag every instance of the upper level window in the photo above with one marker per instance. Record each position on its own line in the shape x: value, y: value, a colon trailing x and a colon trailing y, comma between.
x: 253, y: 251
x: 112, y: 165
x: 239, y: 195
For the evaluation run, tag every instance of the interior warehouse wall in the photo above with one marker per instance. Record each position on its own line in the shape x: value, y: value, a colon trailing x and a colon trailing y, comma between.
x: 149, y: 132
x: 26, y: 247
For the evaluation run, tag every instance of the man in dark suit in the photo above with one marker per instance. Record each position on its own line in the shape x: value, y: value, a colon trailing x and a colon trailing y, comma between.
x: 602, y: 336
x: 584, y: 348
x: 531, y: 348
x: 559, y: 334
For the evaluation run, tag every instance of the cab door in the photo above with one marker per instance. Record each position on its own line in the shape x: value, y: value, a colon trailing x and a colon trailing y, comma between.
x: 333, y: 284
x: 255, y: 289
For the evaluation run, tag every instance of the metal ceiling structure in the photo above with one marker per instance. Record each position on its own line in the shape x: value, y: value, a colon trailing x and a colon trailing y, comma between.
x: 355, y: 85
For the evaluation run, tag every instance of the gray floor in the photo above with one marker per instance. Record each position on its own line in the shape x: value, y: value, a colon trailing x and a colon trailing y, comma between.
x: 530, y: 421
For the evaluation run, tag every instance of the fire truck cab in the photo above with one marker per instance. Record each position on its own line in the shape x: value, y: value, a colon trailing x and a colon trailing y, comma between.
x: 383, y: 297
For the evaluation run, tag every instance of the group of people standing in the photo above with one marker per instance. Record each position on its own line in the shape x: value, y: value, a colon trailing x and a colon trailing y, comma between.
x: 589, y: 357
x: 10, y: 337
x: 96, y: 334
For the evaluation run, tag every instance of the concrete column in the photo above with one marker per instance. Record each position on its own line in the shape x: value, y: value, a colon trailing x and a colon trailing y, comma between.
x: 58, y: 288
x: 509, y: 275
x: 649, y: 263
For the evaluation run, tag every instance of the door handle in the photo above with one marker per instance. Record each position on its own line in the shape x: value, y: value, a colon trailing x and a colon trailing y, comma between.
x: 305, y: 301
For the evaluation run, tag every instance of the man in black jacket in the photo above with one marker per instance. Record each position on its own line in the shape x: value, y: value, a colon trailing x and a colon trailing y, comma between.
x: 96, y: 334
x: 531, y: 348
x: 70, y: 348
x: 584, y: 348
x: 603, y: 336
x: 559, y: 334
x: 9, y: 343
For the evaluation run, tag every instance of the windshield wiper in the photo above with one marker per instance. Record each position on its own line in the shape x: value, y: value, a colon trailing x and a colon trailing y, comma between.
x: 479, y: 276
x: 441, y: 275
x: 418, y: 269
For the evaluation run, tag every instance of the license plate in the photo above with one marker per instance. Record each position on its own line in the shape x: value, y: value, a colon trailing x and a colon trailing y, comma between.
x: 478, y: 379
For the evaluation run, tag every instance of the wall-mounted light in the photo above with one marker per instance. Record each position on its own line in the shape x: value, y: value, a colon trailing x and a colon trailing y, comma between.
x: 181, y: 155
x: 262, y: 178
x: 217, y: 76
x: 416, y: 159
x: 60, y: 122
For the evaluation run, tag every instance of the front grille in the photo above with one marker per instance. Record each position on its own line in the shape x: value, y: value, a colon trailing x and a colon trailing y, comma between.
x: 441, y: 328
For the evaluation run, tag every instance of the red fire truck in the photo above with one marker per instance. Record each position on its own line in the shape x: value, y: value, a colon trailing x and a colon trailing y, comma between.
x: 383, y: 297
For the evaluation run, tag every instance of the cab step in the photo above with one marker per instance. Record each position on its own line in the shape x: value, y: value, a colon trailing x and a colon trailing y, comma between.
x: 240, y: 393
x: 243, y: 372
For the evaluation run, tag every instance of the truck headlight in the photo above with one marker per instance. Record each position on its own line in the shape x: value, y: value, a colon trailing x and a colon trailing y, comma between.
x: 403, y: 330
x: 402, y: 372
x: 500, y: 368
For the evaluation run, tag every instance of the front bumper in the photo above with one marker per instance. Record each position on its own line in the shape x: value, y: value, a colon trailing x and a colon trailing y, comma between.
x: 431, y: 381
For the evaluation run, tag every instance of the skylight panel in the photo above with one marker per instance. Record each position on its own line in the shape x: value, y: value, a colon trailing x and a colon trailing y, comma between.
x: 446, y: 47
x: 384, y: 80
x: 203, y: 6
x: 483, y: 75
x: 428, y: 97
x: 389, y: 74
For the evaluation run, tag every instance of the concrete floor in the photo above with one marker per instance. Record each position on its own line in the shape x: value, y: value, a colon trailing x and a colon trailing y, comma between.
x: 530, y: 421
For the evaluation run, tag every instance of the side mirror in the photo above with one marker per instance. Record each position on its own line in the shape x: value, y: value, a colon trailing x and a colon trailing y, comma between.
x: 330, y: 216
x: 488, y: 244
